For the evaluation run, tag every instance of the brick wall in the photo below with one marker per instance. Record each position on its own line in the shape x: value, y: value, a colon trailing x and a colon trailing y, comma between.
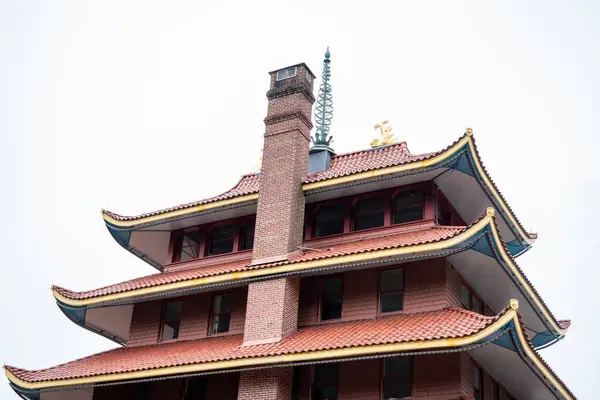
x: 466, y: 374
x: 427, y: 287
x: 360, y: 380
x: 267, y: 384
x: 437, y: 377
x: 272, y: 310
x: 280, y: 212
x: 145, y: 323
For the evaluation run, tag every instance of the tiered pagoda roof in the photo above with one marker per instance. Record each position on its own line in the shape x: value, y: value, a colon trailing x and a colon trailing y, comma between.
x: 429, y: 332
x: 361, y: 167
x: 486, y: 248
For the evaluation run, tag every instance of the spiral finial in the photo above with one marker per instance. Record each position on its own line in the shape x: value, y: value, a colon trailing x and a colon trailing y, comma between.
x: 324, y: 108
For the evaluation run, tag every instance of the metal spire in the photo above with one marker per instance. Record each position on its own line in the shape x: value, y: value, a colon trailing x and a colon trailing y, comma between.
x: 324, y: 108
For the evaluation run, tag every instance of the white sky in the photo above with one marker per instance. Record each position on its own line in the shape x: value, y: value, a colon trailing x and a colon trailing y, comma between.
x: 139, y: 105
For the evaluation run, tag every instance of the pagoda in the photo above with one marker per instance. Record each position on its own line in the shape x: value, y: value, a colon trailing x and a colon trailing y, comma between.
x: 376, y: 274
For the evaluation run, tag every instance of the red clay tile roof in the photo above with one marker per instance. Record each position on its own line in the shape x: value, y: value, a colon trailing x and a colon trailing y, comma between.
x: 368, y: 160
x: 443, y: 324
x: 429, y: 235
x: 341, y: 165
x: 248, y: 184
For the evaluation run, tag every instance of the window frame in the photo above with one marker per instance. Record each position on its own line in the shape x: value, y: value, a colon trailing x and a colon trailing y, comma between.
x: 209, y: 235
x: 379, y: 291
x: 327, y: 203
x: 184, y: 387
x: 385, y: 196
x: 472, y: 294
x: 205, y: 232
x: 497, y: 386
x: 411, y: 188
x: 382, y: 374
x: 163, y: 314
x: 211, y: 315
x: 312, y: 379
x: 478, y: 367
x: 319, y: 307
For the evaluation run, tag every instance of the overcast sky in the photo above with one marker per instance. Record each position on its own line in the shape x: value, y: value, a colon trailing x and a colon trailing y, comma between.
x: 139, y: 105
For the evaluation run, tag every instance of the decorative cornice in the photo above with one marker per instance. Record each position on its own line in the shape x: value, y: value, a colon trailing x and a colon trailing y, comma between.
x: 288, y: 117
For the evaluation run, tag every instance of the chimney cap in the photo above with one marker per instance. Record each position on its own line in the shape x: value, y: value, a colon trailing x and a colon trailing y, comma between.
x: 295, y: 65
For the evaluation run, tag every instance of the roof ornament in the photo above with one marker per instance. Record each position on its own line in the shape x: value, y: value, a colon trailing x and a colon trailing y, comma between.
x: 324, y: 108
x: 387, y: 136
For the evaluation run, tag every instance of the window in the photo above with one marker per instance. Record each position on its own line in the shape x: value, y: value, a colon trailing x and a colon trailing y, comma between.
x: 495, y: 391
x: 296, y: 383
x: 397, y: 378
x: 189, y: 246
x: 477, y: 382
x: 325, y: 382
x: 138, y: 391
x: 221, y: 239
x: 331, y: 299
x: 369, y: 213
x: 220, y: 314
x: 286, y: 73
x: 194, y: 389
x: 391, y: 290
x: 408, y: 206
x: 329, y: 220
x: 470, y: 300
x: 171, y: 320
x: 247, y: 238
x: 444, y: 216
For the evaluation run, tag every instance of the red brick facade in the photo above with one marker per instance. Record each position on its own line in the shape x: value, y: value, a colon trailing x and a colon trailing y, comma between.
x: 145, y: 323
x: 268, y: 384
x: 274, y: 306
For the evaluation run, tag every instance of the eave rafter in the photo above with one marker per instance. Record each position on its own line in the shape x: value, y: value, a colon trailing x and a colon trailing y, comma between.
x: 461, y: 241
x: 507, y: 322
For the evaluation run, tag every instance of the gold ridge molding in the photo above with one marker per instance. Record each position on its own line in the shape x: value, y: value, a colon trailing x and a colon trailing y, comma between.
x: 467, y: 139
x: 257, y: 273
x: 268, y: 360
x: 178, y: 213
x: 509, y: 315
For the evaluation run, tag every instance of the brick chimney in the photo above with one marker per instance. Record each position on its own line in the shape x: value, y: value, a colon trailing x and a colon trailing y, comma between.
x: 272, y: 308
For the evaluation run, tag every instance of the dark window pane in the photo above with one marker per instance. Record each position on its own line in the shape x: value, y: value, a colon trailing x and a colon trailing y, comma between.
x: 392, y: 279
x: 477, y: 383
x: 171, y: 320
x: 296, y: 389
x: 443, y: 214
x: 408, y: 206
x: 476, y: 305
x: 396, y: 389
x: 173, y: 311
x: 329, y: 220
x: 369, y: 213
x: 392, y: 301
x: 220, y: 314
x: 190, y: 246
x: 221, y: 240
x: 397, y: 378
x: 495, y: 391
x: 331, y: 299
x: 465, y: 297
x: 137, y: 391
x: 195, y: 389
x: 325, y: 382
x: 247, y: 241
